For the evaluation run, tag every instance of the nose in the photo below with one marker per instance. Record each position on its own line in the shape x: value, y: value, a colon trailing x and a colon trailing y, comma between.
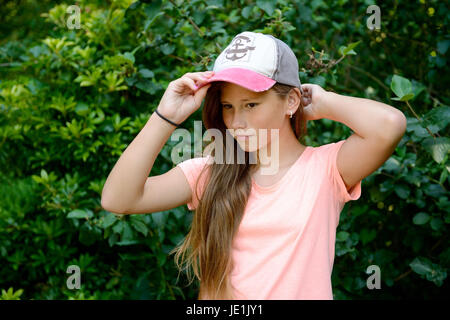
x: 238, y: 121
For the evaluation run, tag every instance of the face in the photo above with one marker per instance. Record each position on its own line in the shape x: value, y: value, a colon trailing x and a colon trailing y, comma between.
x: 246, y: 112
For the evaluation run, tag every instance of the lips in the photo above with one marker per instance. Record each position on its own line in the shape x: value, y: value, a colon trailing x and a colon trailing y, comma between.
x: 243, y: 134
x: 242, y: 137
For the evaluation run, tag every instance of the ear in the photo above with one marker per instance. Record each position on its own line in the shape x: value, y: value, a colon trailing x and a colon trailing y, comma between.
x: 294, y: 100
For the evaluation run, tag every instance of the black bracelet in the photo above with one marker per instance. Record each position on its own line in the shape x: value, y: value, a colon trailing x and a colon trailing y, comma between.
x: 176, y: 125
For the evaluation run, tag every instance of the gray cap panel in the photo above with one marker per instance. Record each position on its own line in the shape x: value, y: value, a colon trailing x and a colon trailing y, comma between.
x: 287, y: 71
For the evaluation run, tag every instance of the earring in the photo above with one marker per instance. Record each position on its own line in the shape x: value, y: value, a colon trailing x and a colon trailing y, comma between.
x: 291, y: 113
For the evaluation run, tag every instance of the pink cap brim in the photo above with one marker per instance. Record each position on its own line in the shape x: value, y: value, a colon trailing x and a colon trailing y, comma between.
x: 246, y: 78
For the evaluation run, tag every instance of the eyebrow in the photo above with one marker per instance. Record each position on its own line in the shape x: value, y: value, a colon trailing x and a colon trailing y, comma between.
x: 223, y: 101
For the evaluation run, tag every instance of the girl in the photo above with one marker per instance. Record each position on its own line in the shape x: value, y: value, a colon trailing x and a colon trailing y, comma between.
x: 256, y: 235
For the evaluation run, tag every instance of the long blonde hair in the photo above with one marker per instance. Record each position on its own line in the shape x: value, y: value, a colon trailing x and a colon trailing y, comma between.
x: 207, y: 247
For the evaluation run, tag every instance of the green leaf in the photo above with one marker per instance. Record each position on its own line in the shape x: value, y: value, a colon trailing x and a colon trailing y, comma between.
x: 129, y: 56
x: 421, y: 218
x: 420, y: 266
x: 320, y: 80
x: 80, y: 214
x: 109, y: 220
x: 10, y: 294
x: 439, y: 116
x: 134, y: 5
x: 118, y: 227
x: 146, y: 73
x: 345, y: 50
x: 268, y: 6
x: 159, y: 219
x: 417, y: 87
x: 438, y: 147
x: 176, y: 238
x: 167, y: 48
x: 402, y: 191
x: 413, y: 125
x: 88, y: 234
x: 401, y: 87
x: 391, y: 165
x: 44, y: 175
x: 146, y: 86
x: 431, y: 271
x: 434, y: 190
x: 152, y: 11
x: 406, y: 97
x: 342, y: 235
x: 246, y: 12
x: 161, y: 257
x: 139, y: 225
x: 444, y: 175
x: 127, y: 242
x: 442, y: 46
x: 82, y: 109
x: 127, y: 232
x: 436, y: 224
x: 199, y: 17
x: 367, y: 235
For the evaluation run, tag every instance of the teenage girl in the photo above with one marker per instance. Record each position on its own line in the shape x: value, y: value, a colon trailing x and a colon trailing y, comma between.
x: 254, y: 235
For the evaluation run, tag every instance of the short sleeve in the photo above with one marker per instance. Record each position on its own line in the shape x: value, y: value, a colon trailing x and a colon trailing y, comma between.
x: 192, y: 169
x: 338, y: 183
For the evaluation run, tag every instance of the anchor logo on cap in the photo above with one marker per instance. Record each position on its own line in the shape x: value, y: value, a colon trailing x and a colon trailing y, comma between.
x: 236, y: 51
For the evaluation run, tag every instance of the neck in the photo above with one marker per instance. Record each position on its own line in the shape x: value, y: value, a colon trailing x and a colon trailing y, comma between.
x: 280, y: 152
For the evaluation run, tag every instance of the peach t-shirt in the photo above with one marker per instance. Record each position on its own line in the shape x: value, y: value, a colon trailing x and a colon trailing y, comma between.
x: 284, y: 247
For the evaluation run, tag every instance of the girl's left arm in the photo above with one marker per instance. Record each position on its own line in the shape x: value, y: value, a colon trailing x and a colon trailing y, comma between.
x: 377, y: 127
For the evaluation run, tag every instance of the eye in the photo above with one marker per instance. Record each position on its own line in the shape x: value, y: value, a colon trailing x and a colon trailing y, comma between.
x: 228, y: 106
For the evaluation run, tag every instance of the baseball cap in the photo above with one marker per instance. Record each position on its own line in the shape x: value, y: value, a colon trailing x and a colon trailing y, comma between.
x: 256, y: 61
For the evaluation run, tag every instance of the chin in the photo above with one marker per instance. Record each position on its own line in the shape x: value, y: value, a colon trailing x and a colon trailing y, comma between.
x: 249, y: 146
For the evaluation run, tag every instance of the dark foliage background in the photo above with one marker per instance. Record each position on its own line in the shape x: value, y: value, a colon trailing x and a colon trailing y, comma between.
x: 71, y: 100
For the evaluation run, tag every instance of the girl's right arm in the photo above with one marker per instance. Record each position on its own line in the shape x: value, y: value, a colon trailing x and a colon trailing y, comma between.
x: 128, y: 188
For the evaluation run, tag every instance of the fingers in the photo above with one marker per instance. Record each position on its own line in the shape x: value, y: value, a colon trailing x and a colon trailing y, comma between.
x: 306, y: 87
x: 306, y: 97
x: 309, y: 90
x: 196, y: 79
x: 200, y: 77
x: 201, y: 93
x: 305, y: 101
x: 189, y: 82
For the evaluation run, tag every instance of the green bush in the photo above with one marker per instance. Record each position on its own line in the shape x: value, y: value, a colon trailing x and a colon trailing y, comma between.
x: 71, y: 100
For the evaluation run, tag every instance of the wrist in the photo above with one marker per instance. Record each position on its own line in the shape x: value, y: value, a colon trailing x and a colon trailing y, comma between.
x: 325, y: 102
x: 169, y: 116
x: 162, y: 118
